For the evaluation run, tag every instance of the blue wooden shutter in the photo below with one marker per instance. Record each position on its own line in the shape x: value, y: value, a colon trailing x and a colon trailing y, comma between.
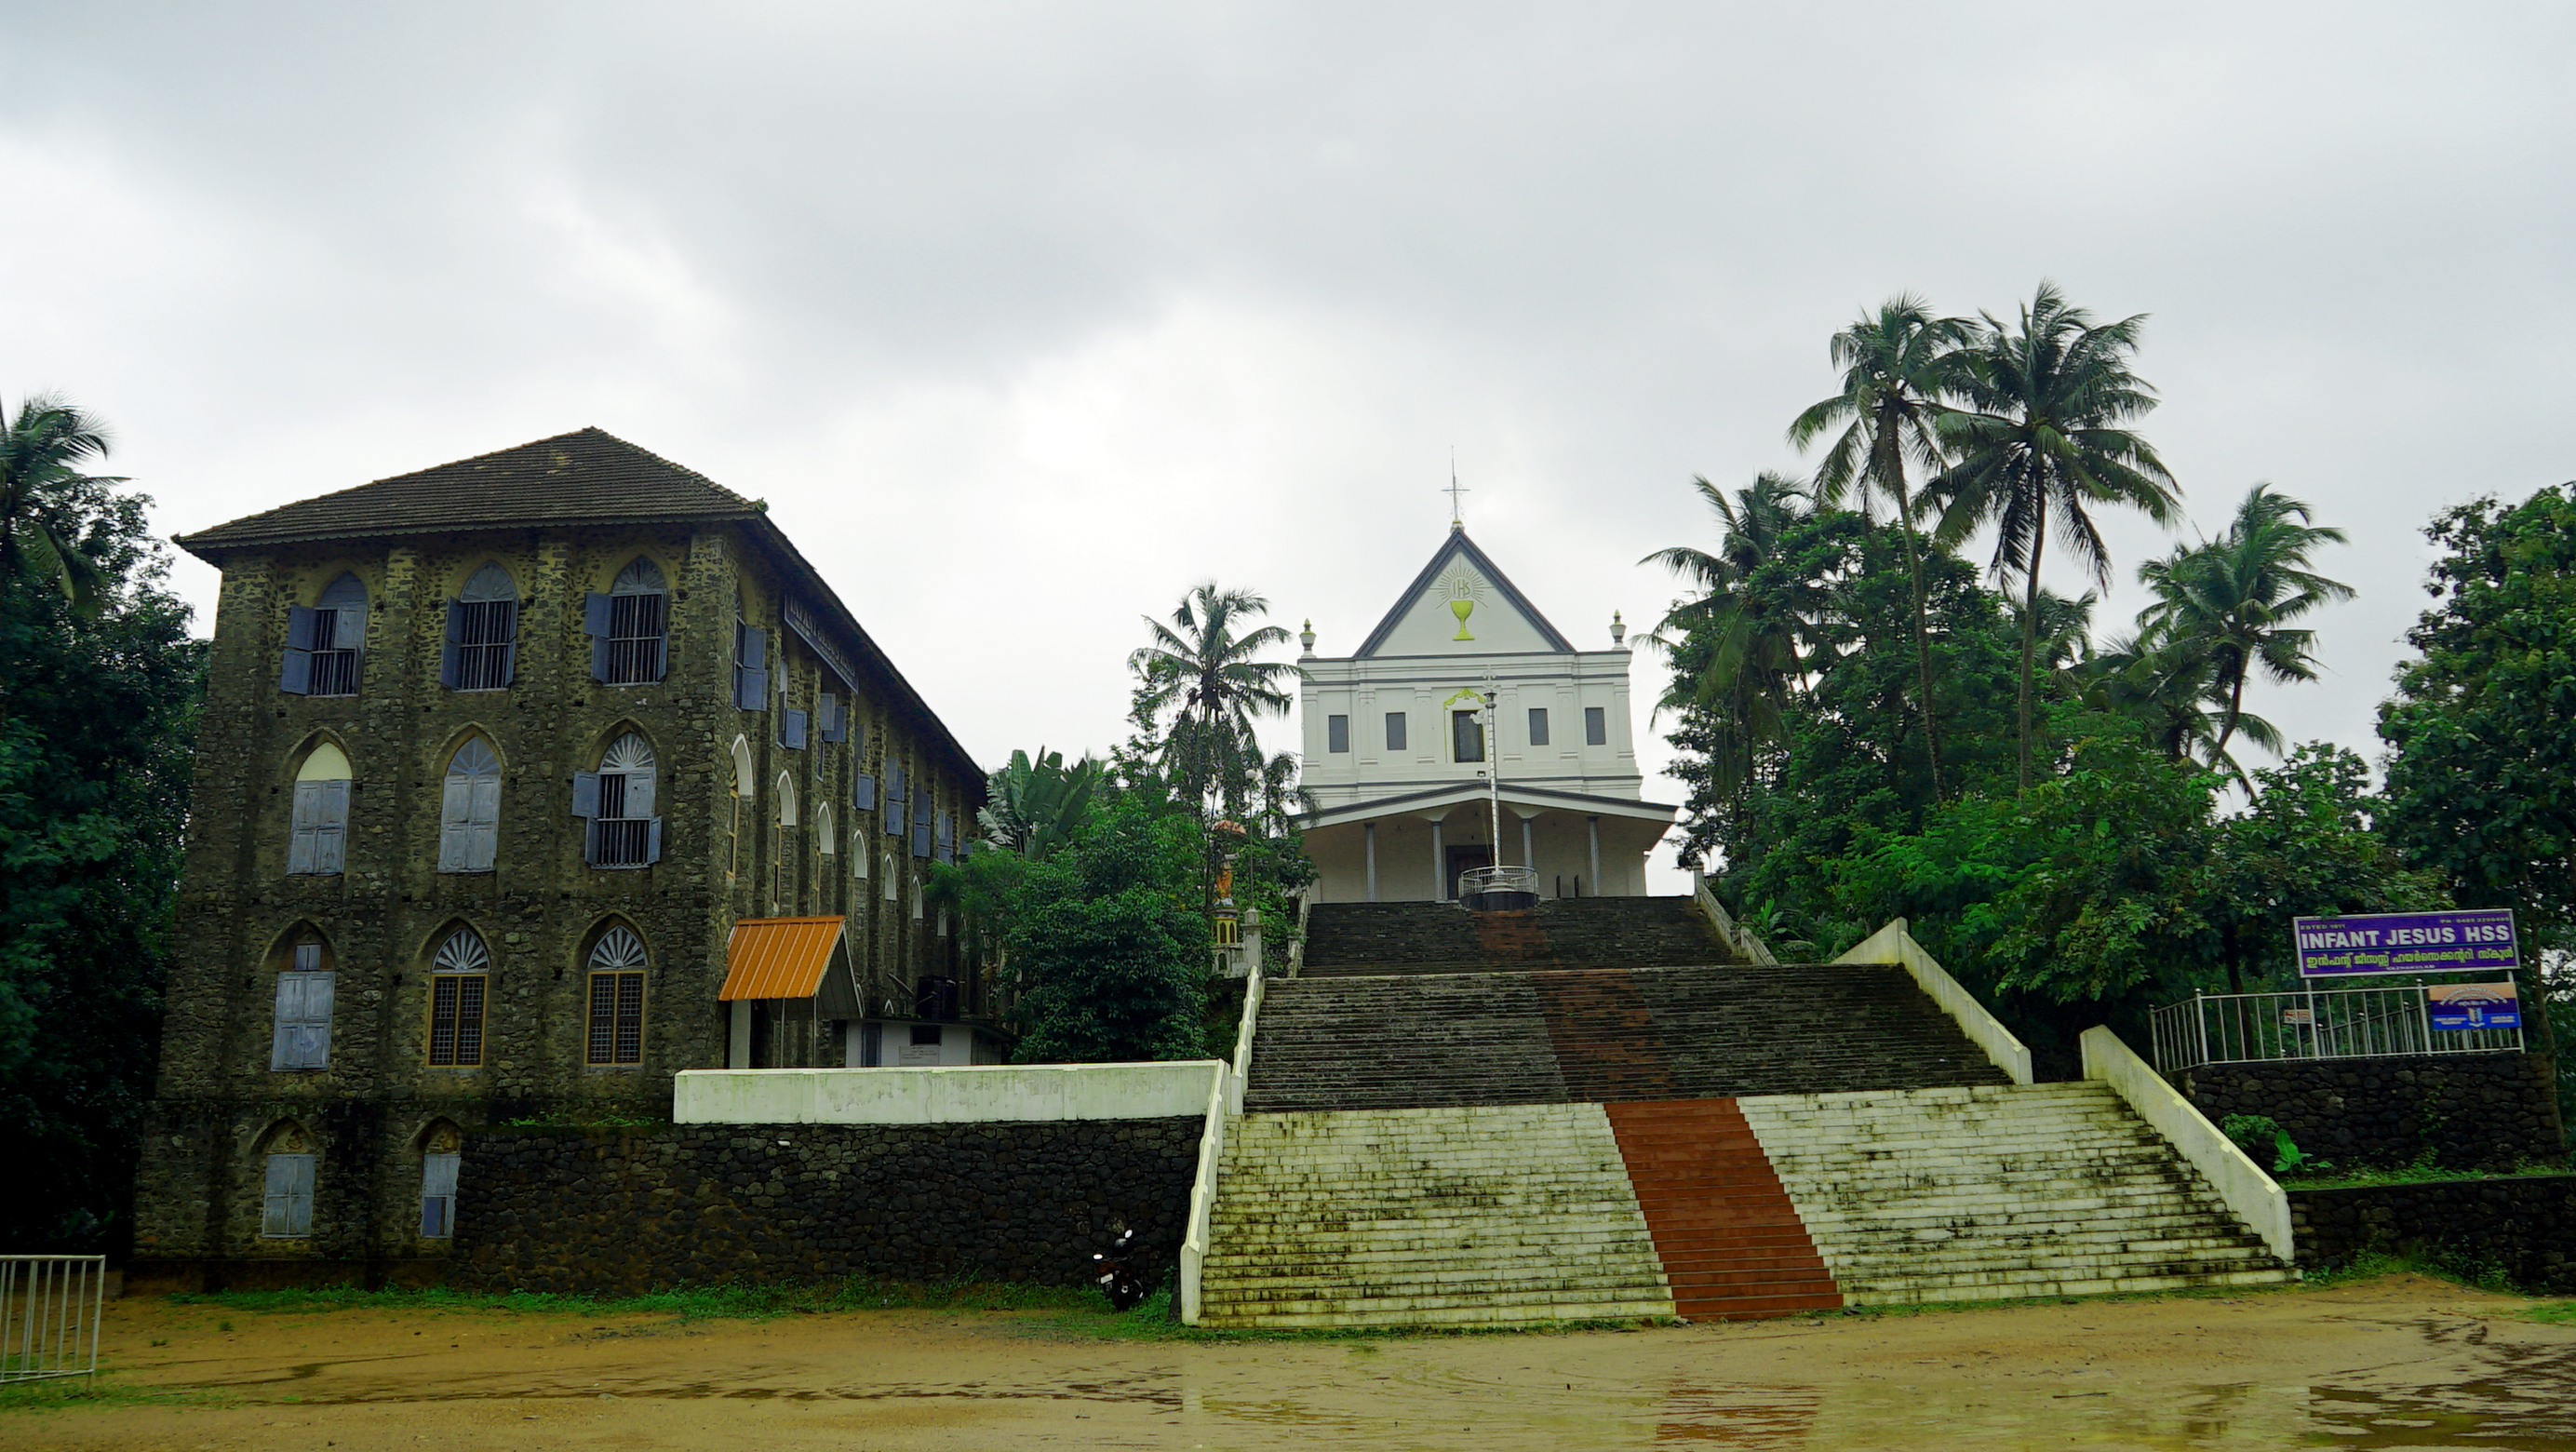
x: 300, y: 835
x: 791, y: 729
x: 750, y: 672
x: 438, y: 1194
x: 348, y: 628
x: 585, y: 794
x: 863, y: 794
x: 300, y: 1035
x: 653, y: 840
x: 595, y: 621
x: 921, y: 825
x: 835, y: 717
x: 331, y: 827
x: 450, y: 652
x: 295, y: 676
x: 287, y: 1208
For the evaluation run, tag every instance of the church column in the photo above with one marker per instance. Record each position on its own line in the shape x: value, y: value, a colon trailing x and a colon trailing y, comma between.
x: 1439, y: 865
x: 1594, y: 823
x: 1369, y: 831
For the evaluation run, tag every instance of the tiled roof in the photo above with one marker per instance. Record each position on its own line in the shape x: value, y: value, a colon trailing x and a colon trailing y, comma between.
x: 573, y: 478
x: 778, y: 957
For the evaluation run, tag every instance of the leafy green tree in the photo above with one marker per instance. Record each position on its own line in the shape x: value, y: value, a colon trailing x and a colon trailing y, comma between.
x: 1034, y: 805
x: 2231, y: 602
x: 2307, y: 846
x: 2040, y: 442
x: 102, y: 686
x: 1897, y: 367
x: 2482, y: 729
x: 1201, y: 670
x: 43, y: 491
x: 1109, y: 944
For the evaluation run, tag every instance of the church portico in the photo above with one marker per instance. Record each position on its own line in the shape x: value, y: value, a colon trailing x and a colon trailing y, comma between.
x: 1463, y: 684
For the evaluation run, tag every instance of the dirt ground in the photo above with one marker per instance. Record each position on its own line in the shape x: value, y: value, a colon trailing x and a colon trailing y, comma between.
x: 2396, y: 1362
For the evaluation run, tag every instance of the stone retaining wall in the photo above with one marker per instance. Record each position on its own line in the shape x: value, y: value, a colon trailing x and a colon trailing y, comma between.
x: 2473, y: 1111
x: 2524, y: 1227
x: 620, y: 1212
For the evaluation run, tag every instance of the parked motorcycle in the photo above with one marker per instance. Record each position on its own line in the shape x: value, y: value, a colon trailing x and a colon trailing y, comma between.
x: 1118, y: 1273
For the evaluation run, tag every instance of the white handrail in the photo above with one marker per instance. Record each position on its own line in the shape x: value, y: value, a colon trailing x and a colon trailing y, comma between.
x: 2252, y: 1194
x: 1893, y: 944
x: 1225, y: 1100
x: 1745, y: 942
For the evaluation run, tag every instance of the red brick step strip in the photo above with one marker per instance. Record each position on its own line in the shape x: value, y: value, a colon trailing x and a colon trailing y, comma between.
x: 1730, y: 1240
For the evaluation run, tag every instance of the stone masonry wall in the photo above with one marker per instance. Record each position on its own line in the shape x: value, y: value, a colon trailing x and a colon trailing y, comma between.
x: 2524, y: 1227
x: 620, y: 1212
x: 2473, y: 1111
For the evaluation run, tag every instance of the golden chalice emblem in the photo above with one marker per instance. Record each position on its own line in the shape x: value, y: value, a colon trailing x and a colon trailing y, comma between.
x: 1463, y: 590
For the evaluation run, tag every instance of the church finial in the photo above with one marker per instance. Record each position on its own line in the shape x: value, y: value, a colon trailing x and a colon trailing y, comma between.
x: 1457, y: 514
x: 1306, y: 638
x: 1618, y: 632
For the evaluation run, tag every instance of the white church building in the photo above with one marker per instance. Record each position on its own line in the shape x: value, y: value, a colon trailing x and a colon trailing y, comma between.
x: 1398, y: 742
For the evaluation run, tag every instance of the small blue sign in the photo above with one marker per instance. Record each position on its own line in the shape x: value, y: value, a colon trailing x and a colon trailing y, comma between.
x: 2463, y: 1006
x: 2480, y: 940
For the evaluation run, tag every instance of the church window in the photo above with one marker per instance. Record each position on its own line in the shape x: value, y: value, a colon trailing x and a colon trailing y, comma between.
x: 286, y: 1208
x: 618, y: 801
x: 438, y: 1194
x: 629, y: 627
x: 300, y: 1034
x: 459, y: 977
x: 1337, y: 733
x: 322, y: 643
x: 1538, y: 725
x: 893, y: 884
x: 832, y: 717
x: 792, y: 724
x: 617, y: 998
x: 895, y: 787
x: 863, y: 785
x: 482, y: 648
x: 826, y: 840
x: 750, y: 666
x: 1596, y: 726
x: 1466, y: 736
x: 318, y: 836
x: 859, y: 853
x: 469, y: 818
x: 1395, y: 730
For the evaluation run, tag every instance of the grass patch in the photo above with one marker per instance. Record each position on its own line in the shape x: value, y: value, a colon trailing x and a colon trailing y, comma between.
x: 102, y: 1389
x: 2418, y: 1173
x: 2435, y: 1262
x: 687, y: 1303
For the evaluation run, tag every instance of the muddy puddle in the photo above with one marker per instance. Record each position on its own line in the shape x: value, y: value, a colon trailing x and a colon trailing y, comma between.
x: 2395, y: 1363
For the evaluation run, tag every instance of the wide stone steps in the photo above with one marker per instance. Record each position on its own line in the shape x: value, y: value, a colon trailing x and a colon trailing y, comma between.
x: 1379, y: 939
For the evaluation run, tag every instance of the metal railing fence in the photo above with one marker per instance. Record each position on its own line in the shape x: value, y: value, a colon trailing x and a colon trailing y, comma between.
x: 49, y: 1314
x: 2342, y: 1023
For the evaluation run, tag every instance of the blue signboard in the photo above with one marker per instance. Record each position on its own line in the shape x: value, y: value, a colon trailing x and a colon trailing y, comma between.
x: 2460, y: 1006
x: 2476, y: 941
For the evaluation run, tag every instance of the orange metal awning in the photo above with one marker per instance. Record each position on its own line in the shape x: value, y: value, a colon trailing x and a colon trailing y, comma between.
x: 778, y: 957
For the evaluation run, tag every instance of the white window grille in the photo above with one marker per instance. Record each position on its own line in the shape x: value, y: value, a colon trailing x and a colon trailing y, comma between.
x: 469, y: 822
x: 618, y: 801
x: 482, y: 648
x: 629, y: 627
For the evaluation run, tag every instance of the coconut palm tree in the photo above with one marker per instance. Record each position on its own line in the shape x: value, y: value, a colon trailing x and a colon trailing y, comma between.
x: 1896, y: 370
x: 2040, y: 443
x: 42, y: 453
x: 2229, y: 601
x: 1199, y: 664
x: 1753, y: 633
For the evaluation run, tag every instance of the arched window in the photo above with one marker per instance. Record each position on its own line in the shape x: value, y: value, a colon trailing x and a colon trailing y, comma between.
x: 460, y: 976
x: 629, y: 626
x: 441, y: 1151
x: 617, y: 998
x: 289, y: 1162
x: 300, y: 1032
x: 786, y: 800
x: 469, y: 818
x: 893, y: 884
x: 322, y: 643
x: 482, y: 650
x: 742, y: 790
x: 859, y: 853
x: 618, y: 801
x: 318, y: 839
x: 826, y: 840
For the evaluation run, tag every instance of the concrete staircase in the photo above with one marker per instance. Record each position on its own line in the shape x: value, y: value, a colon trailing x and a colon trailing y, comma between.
x: 1992, y: 1192
x: 1375, y: 939
x: 1512, y: 1215
x: 1601, y: 1035
x: 1725, y: 1228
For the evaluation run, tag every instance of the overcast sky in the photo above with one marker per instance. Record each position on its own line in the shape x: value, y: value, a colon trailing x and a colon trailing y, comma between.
x: 1024, y: 318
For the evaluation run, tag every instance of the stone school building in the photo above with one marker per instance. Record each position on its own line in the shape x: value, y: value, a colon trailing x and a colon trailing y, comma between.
x: 525, y: 782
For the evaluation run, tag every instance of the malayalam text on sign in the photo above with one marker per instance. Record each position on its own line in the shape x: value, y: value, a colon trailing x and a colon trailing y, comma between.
x: 2474, y: 941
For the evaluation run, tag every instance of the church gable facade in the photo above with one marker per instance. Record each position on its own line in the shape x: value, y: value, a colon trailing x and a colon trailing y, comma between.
x: 1398, y: 740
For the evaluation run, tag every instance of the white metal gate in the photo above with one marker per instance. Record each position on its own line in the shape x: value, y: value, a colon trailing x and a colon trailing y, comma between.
x: 49, y: 1314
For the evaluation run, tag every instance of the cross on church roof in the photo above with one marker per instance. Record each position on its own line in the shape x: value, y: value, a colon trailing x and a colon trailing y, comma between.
x: 1457, y: 515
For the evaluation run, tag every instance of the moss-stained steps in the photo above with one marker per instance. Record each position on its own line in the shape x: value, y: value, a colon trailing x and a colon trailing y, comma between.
x: 1468, y: 1216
